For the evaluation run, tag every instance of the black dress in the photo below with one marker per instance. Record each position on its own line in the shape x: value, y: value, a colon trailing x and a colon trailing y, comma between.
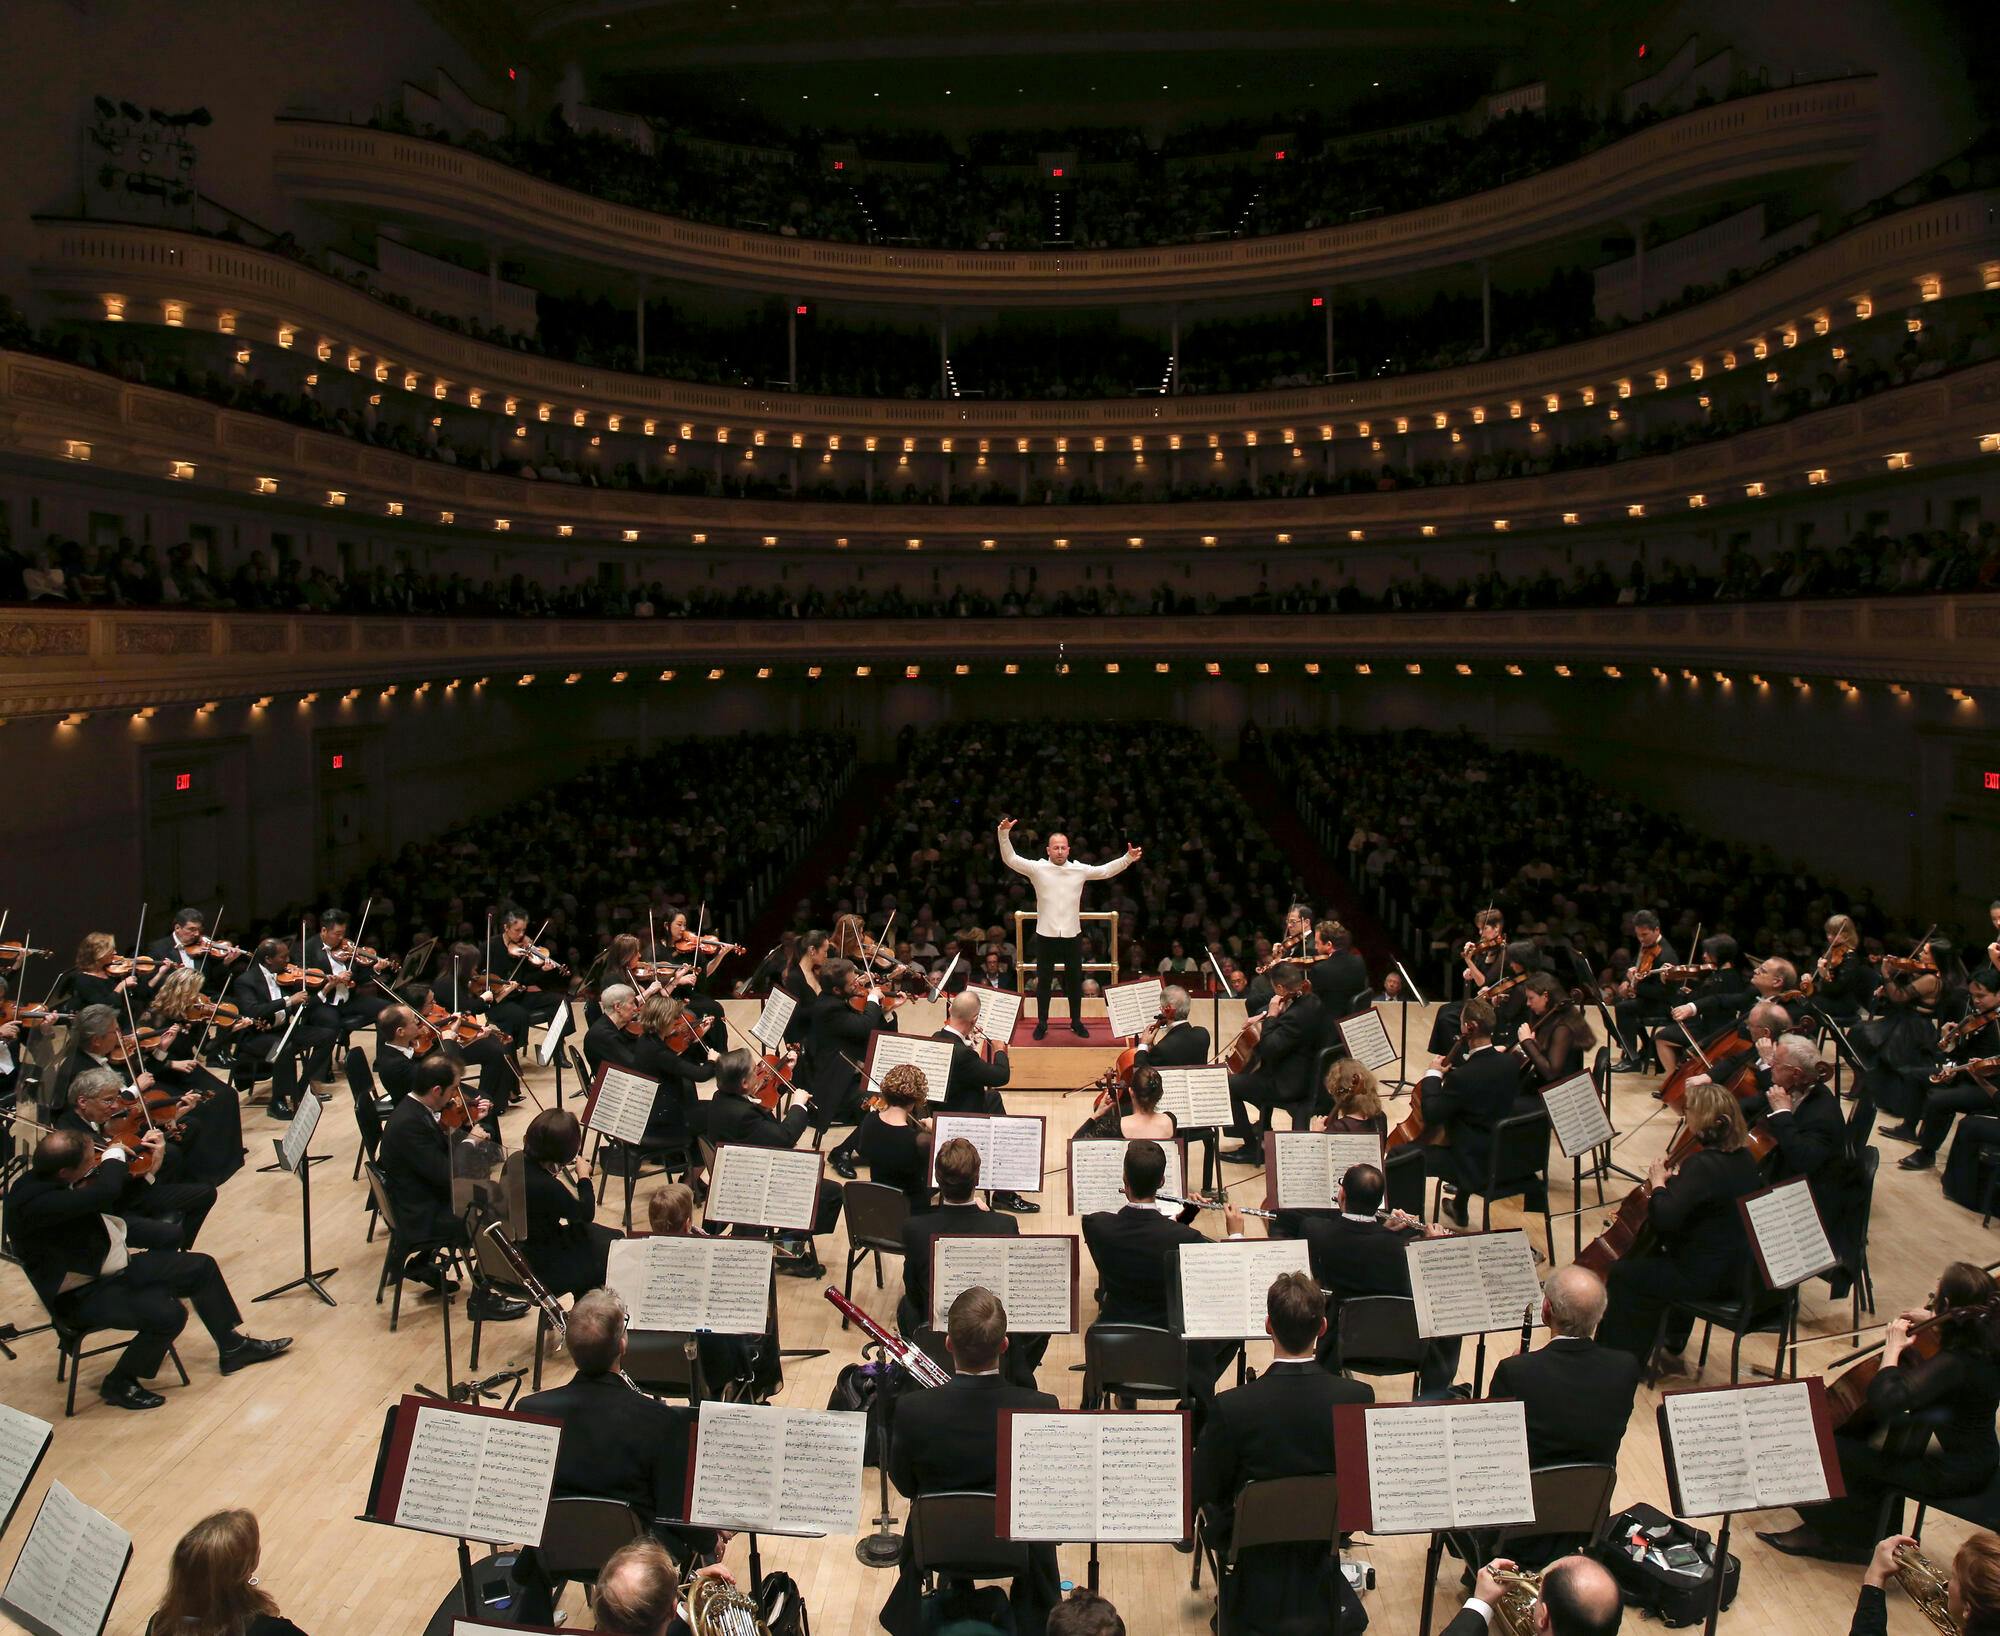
x: 1704, y: 1251
x: 895, y: 1158
x: 565, y: 1246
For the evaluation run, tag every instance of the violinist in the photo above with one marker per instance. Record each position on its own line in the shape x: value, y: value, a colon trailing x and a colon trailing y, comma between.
x: 736, y: 1116
x: 612, y: 1037
x: 187, y: 944
x: 1954, y: 1091
x: 98, y: 1269
x: 1467, y: 1098
x: 1899, y: 1043
x: 1339, y: 977
x: 398, y: 1034
x: 267, y: 991
x: 1843, y: 981
x: 1294, y: 943
x: 894, y: 1141
x: 1704, y: 1250
x: 1940, y: 1369
x: 470, y: 992
x: 624, y: 962
x: 1482, y: 963
x: 478, y: 1045
x: 1642, y: 1000
x: 974, y: 1086
x: 739, y: 1361
x: 92, y: 980
x: 679, y: 1115
x: 1281, y: 1064
x: 1558, y: 1040
x: 211, y: 1114
x: 1714, y: 996
x: 701, y: 956
x: 105, y: 1110
x: 565, y: 1245
x: 513, y: 957
x: 416, y: 1161
x: 345, y: 1000
x: 1174, y: 1042
x: 847, y: 1011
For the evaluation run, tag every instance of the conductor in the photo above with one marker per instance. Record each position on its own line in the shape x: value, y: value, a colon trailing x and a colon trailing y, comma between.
x: 1059, y: 884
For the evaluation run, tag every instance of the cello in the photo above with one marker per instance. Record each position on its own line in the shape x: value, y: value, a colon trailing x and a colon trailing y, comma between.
x: 1847, y: 1392
x: 1413, y: 1129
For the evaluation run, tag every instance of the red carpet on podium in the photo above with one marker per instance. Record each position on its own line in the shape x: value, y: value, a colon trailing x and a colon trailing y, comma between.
x: 1059, y: 1032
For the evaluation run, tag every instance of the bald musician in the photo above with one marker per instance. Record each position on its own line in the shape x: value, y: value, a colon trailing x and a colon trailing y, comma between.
x: 1059, y: 883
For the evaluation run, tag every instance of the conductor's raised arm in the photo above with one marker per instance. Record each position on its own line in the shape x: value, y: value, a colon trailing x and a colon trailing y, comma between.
x: 1117, y: 866
x: 1012, y: 859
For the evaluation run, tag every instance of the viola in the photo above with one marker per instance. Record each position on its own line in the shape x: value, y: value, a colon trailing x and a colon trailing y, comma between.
x: 30, y: 1016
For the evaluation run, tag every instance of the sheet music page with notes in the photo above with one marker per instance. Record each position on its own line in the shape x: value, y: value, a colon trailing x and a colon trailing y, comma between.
x: 1577, y: 1114
x: 1786, y: 1231
x: 622, y: 1104
x: 1198, y: 1098
x: 931, y: 1057
x: 769, y: 1029
x: 1077, y: 1476
x: 1225, y: 1286
x: 1366, y: 1039
x: 1133, y: 1007
x: 1461, y: 1465
x: 1472, y: 1282
x: 67, y: 1573
x: 764, y: 1187
x: 1034, y: 1276
x: 1097, y: 1172
x: 999, y: 1011
x: 299, y: 1134
x: 552, y: 1035
x: 773, y: 1469
x: 478, y: 1476
x: 688, y: 1283
x: 1010, y: 1148
x: 1306, y: 1165
x: 1744, y: 1448
x: 23, y: 1440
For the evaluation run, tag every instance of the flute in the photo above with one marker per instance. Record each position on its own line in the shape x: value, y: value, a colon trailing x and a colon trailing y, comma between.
x: 1216, y: 1204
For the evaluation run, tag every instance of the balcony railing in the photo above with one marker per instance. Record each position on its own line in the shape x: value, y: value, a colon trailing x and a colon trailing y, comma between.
x: 382, y: 174
x: 54, y: 661
x: 1955, y: 241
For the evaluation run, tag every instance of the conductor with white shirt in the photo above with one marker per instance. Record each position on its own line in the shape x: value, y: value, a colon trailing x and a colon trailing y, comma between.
x: 1059, y: 883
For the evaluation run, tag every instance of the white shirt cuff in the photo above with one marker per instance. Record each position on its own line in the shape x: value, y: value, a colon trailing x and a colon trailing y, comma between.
x: 1474, y: 1604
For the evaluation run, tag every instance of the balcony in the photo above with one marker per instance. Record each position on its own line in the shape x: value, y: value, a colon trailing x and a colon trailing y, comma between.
x: 1954, y: 240
x: 381, y: 175
x: 53, y: 662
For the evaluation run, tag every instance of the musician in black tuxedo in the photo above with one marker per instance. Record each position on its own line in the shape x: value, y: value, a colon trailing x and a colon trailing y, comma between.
x: 836, y: 1043
x: 1642, y: 1002
x: 1352, y: 1252
x: 397, y: 1032
x: 1279, y: 1425
x: 956, y: 1213
x: 618, y: 1443
x: 607, y: 1039
x: 1468, y: 1099
x: 100, y: 1096
x: 348, y: 1000
x: 59, y: 1218
x: 1177, y: 1042
x: 1804, y: 1115
x: 974, y: 1085
x: 735, y: 1117
x: 416, y: 1161
x: 1280, y: 1074
x: 1339, y: 978
x: 292, y: 1049
x: 1578, y: 1598
x: 947, y: 1440
x: 176, y: 949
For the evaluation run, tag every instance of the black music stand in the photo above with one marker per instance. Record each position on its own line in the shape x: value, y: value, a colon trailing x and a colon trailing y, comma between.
x: 1402, y: 1081
x: 292, y: 1155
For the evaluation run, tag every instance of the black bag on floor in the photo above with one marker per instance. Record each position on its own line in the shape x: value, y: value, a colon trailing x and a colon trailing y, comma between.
x: 1675, y: 1582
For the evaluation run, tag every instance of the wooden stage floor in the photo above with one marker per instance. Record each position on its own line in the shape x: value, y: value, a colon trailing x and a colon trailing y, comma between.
x: 294, y: 1440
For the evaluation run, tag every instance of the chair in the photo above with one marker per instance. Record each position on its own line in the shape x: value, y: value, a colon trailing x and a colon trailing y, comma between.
x: 1276, y: 1511
x: 1569, y: 1499
x: 626, y: 1160
x: 1133, y: 1361
x: 399, y: 1249
x: 497, y: 1273
x: 665, y: 1360
x: 952, y: 1536
x: 1755, y: 1311
x: 580, y: 1534
x: 1855, y: 1263
x: 875, y: 1216
x: 370, y: 1109
x: 1516, y: 1165
x: 1377, y: 1335
x: 1405, y: 1182
x: 1909, y: 1439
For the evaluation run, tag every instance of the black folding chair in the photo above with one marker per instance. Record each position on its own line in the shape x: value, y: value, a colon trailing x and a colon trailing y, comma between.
x: 875, y: 1216
x: 1377, y: 1335
x: 1276, y: 1511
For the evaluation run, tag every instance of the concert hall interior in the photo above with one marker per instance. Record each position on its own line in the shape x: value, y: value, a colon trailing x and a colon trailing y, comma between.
x: 750, y: 748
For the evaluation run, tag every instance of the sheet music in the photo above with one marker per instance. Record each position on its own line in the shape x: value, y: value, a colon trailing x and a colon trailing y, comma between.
x: 932, y: 1058
x: 22, y: 1440
x: 623, y: 1103
x: 999, y: 1011
x: 1462, y: 1465
x: 1578, y: 1115
x: 1198, y: 1098
x: 1744, y: 1448
x: 1097, y: 1172
x: 1225, y: 1287
x: 1790, y: 1238
x: 764, y: 1187
x: 552, y: 1035
x: 299, y: 1134
x: 1104, y: 1477
x: 1133, y: 1007
x: 769, y: 1029
x: 688, y: 1283
x: 1307, y: 1165
x: 1366, y: 1039
x: 1035, y: 1278
x: 1473, y: 1282
x: 478, y: 1476
x: 777, y: 1470
x: 68, y: 1571
x: 1010, y: 1148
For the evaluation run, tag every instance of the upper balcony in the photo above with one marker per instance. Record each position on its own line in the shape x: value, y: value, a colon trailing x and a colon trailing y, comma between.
x: 1691, y: 158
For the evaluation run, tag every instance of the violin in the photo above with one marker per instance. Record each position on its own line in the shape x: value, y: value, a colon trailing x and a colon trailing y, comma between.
x: 540, y: 958
x: 682, y: 1032
x: 373, y: 960
x: 1685, y: 975
x: 30, y: 1016
x: 13, y: 953
x: 224, y: 1014
x: 1506, y: 985
x: 887, y: 1002
x: 1282, y: 950
x: 1906, y: 965
x: 1954, y: 1034
x: 457, y: 1026
x: 132, y: 1046
x: 297, y: 976
x: 1978, y: 1067
x: 688, y: 943
x: 767, y: 1085
x: 124, y: 965
x: 208, y: 948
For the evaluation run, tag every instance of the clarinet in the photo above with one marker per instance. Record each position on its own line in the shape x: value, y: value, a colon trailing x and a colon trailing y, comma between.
x: 1527, y: 1324
x: 912, y: 1360
x: 1215, y: 1204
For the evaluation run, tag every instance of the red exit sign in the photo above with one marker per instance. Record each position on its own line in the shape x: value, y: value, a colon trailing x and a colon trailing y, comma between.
x: 1992, y: 781
x: 339, y: 762
x: 185, y: 781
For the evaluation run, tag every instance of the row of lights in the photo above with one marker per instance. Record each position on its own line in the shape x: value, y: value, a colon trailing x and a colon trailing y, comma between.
x: 1930, y: 287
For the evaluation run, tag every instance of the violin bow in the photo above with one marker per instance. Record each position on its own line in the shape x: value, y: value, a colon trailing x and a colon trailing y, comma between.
x: 358, y: 936
x: 208, y: 947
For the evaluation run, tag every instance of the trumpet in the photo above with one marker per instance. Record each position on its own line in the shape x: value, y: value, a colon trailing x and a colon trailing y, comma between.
x: 1515, y: 1613
x: 1927, y: 1585
x: 717, y: 1608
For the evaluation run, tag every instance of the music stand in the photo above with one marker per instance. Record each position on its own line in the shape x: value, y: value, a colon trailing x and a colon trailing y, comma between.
x: 1402, y: 1081
x: 292, y: 1155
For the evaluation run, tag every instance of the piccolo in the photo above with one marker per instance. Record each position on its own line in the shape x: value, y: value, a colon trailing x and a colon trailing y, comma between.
x: 918, y: 1364
x: 1217, y: 1204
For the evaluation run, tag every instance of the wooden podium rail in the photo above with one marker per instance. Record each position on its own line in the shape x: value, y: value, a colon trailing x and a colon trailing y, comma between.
x: 1023, y: 965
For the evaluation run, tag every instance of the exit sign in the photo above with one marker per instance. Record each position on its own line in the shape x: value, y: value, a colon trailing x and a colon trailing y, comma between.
x: 1992, y: 781
x: 339, y: 762
x: 185, y: 781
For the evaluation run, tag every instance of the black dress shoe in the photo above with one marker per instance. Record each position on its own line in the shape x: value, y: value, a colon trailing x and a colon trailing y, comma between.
x: 1454, y: 1211
x: 1041, y: 1030
x: 125, y: 1393
x: 1919, y: 1160
x: 490, y: 1308
x: 427, y: 1273
x: 1627, y: 1065
x: 253, y: 1351
x: 1805, y: 1540
x: 282, y: 1110
x: 842, y: 1164
x: 1905, y: 1132
x: 800, y: 1266
x: 1079, y: 1029
x: 1244, y: 1155
x: 1018, y: 1205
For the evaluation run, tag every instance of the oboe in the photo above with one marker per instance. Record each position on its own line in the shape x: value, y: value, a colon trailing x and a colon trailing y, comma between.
x: 914, y: 1361
x: 1216, y: 1204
